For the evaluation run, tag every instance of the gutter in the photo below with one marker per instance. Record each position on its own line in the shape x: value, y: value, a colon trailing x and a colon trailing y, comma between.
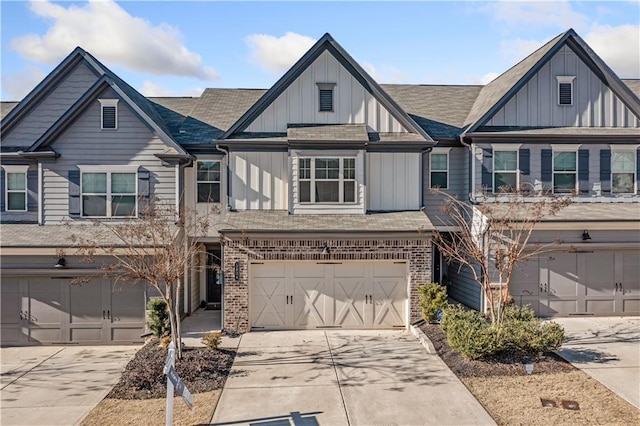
x: 472, y: 163
x: 228, y: 185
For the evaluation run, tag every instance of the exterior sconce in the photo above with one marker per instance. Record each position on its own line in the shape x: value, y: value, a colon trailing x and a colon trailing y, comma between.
x: 61, y: 263
x: 236, y: 271
x: 586, y: 236
x: 325, y: 249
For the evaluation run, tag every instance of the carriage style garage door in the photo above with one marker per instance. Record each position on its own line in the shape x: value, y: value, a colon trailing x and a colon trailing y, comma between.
x: 598, y: 283
x: 41, y: 310
x: 328, y: 294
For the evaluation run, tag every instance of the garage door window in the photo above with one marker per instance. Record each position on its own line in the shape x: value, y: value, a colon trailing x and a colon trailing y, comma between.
x: 327, y: 180
x: 623, y: 175
x: 108, y: 194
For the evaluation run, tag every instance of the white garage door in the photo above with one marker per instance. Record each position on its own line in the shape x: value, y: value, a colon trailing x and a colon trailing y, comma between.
x: 42, y: 310
x: 598, y: 283
x: 328, y: 294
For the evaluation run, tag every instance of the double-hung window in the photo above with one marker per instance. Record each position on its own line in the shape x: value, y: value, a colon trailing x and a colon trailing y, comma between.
x: 16, y: 188
x: 208, y: 181
x: 505, y: 170
x: 108, y: 193
x: 439, y: 169
x: 565, y: 171
x: 623, y: 171
x: 327, y: 180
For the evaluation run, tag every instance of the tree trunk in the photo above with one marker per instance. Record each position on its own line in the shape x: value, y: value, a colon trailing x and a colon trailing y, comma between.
x: 178, y: 321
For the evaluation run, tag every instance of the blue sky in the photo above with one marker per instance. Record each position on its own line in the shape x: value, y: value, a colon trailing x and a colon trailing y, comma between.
x: 171, y: 48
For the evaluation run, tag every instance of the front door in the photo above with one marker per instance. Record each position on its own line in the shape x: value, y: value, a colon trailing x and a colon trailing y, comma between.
x: 214, y: 284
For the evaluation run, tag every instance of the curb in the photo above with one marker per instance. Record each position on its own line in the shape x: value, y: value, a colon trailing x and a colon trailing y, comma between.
x: 422, y: 338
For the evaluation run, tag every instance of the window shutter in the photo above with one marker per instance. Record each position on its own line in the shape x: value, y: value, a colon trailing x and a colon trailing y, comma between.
x: 2, y: 191
x: 583, y: 171
x: 144, y: 190
x: 487, y: 168
x: 546, y: 159
x: 605, y: 170
x: 32, y: 190
x: 524, y: 161
x: 638, y: 171
x: 74, y: 193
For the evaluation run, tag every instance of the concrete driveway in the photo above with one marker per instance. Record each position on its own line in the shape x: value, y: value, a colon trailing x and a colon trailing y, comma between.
x: 57, y: 385
x: 608, y: 349
x: 342, y: 378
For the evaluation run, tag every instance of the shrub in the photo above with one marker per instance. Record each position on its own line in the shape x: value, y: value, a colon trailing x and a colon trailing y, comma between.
x: 433, y: 298
x: 165, y: 342
x: 212, y: 339
x: 525, y: 333
x: 158, y: 316
x: 469, y: 333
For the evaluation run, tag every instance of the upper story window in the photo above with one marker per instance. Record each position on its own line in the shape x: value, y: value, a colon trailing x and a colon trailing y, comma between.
x: 16, y: 188
x: 325, y: 97
x: 623, y: 171
x: 439, y: 169
x: 208, y: 181
x: 327, y: 180
x: 565, y: 171
x: 505, y: 170
x: 108, y: 193
x: 565, y: 90
x: 109, y: 114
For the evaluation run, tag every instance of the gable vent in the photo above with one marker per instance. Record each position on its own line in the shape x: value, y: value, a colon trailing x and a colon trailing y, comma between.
x: 325, y: 96
x: 109, y: 117
x: 565, y: 90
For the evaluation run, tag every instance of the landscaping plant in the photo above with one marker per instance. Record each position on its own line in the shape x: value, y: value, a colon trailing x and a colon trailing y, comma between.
x: 433, y: 298
x: 212, y: 339
x: 158, y: 316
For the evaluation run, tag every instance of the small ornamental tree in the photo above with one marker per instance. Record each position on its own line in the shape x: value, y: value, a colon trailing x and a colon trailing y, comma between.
x: 493, y: 236
x: 156, y: 248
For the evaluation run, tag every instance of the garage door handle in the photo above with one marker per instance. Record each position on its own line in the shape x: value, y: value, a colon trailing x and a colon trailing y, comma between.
x: 103, y: 317
x: 108, y: 314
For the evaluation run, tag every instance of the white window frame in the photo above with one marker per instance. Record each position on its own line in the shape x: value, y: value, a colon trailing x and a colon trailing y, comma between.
x: 108, y: 170
x: 341, y: 179
x: 632, y: 149
x: 327, y: 86
x: 563, y: 148
x: 108, y: 103
x: 565, y: 79
x: 439, y: 151
x: 219, y: 182
x: 15, y: 170
x: 505, y: 148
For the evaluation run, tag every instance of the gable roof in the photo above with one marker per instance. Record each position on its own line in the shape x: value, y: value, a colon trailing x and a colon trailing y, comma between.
x: 326, y: 43
x: 497, y: 93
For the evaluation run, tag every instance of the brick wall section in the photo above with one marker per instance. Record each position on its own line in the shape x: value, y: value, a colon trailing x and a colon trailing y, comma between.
x: 416, y: 251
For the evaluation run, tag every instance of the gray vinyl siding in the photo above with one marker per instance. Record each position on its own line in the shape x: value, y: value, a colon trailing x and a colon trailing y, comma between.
x: 393, y: 181
x: 463, y: 288
x: 536, y: 104
x: 44, y: 114
x: 458, y: 184
x: 83, y: 143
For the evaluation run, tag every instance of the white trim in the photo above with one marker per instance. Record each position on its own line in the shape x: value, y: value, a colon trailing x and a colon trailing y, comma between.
x: 553, y: 169
x: 441, y: 151
x: 341, y: 180
x: 624, y: 150
x: 40, y: 197
x: 102, y: 168
x: 506, y: 148
x: 617, y: 147
x: 108, y: 194
x: 219, y: 181
x: 565, y: 79
x: 16, y: 170
x: 565, y: 146
x: 108, y: 103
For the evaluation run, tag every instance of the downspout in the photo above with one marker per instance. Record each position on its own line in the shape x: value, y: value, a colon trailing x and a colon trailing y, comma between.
x: 228, y: 174
x: 472, y: 179
x: 40, y: 195
x: 422, y: 190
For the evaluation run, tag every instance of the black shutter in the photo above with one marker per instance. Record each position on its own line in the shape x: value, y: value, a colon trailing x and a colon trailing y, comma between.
x: 605, y: 170
x: 546, y: 159
x: 487, y: 168
x: 524, y: 161
x: 2, y: 191
x: 583, y: 171
x: 144, y: 190
x: 32, y: 190
x: 74, y: 193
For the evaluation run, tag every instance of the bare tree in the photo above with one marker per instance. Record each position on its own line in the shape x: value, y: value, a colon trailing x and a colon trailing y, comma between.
x: 156, y: 248
x: 493, y: 236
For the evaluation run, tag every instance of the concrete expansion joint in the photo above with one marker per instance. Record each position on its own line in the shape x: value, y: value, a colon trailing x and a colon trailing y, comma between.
x: 335, y: 371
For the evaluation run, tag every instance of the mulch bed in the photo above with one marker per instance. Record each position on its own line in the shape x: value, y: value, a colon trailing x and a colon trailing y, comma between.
x: 503, y: 364
x: 201, y: 369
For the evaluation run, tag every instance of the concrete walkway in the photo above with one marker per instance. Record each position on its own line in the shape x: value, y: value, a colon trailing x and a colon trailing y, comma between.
x: 606, y: 348
x: 336, y: 377
x: 57, y: 385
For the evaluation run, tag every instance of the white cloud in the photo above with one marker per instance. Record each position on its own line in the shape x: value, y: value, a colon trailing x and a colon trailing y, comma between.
x: 277, y: 54
x: 152, y: 89
x: 489, y: 77
x: 17, y: 85
x: 618, y: 46
x: 558, y: 14
x: 518, y: 49
x: 107, y: 31
x: 386, y: 74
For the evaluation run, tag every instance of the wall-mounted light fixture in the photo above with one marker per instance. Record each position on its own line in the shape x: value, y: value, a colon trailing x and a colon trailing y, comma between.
x: 325, y: 249
x: 586, y: 236
x: 61, y: 263
x: 236, y: 271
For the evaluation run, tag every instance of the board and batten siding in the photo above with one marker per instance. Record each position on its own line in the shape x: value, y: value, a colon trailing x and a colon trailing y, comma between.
x: 54, y: 104
x: 536, y: 104
x: 463, y: 287
x: 259, y: 180
x: 299, y: 103
x: 83, y: 143
x: 458, y: 184
x: 393, y: 181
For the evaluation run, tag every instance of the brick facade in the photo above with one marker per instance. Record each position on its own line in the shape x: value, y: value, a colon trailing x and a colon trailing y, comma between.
x: 417, y: 251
